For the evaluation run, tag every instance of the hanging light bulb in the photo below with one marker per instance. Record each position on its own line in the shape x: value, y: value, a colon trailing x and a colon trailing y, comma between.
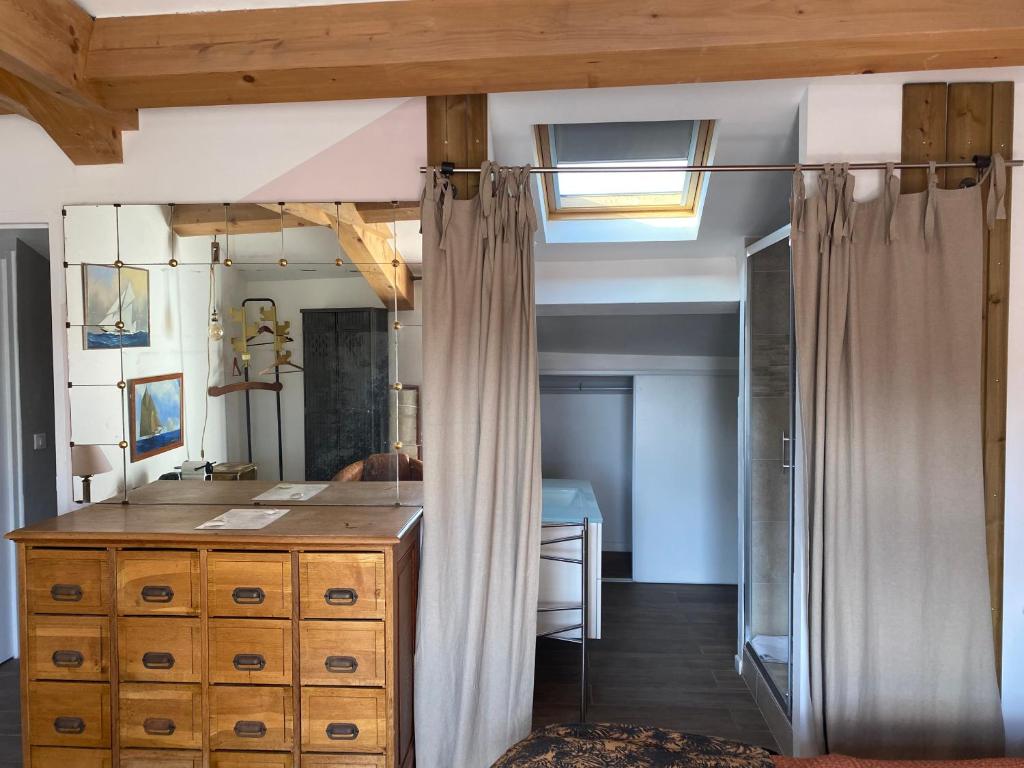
x: 216, y: 329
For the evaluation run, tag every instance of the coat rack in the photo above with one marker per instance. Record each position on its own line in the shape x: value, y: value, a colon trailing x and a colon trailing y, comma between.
x: 242, y: 344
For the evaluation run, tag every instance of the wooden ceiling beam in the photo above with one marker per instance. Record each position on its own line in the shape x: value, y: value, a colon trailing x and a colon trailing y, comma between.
x: 45, y: 42
x: 43, y: 50
x: 208, y: 219
x: 367, y: 50
x: 367, y: 246
x: 87, y: 135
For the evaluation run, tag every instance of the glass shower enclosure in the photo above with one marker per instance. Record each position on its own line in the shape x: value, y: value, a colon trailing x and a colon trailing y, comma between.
x: 768, y: 463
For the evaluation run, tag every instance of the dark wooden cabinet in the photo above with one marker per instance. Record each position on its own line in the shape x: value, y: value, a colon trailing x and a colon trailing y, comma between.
x: 345, y: 355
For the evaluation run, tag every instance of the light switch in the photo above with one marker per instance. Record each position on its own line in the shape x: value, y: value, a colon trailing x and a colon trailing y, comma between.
x: 39, y: 441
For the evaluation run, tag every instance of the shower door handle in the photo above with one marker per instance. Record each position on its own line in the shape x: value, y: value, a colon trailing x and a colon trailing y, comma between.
x: 787, y: 446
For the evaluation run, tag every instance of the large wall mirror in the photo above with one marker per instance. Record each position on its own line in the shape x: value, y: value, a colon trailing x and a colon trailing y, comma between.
x: 279, y: 342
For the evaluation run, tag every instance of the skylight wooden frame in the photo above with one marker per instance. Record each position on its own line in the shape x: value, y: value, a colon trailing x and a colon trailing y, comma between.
x: 699, y: 155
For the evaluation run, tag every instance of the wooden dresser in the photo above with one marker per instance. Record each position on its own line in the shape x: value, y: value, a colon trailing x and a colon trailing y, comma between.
x: 146, y: 642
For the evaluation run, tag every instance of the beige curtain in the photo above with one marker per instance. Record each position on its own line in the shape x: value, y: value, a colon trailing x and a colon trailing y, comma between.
x: 482, y: 479
x: 888, y: 298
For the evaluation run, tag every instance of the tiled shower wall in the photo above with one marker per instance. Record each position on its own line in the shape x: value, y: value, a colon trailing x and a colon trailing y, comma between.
x: 769, y: 306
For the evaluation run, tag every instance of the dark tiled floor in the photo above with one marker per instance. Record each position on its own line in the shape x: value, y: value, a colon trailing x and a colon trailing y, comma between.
x: 666, y: 658
x: 10, y: 716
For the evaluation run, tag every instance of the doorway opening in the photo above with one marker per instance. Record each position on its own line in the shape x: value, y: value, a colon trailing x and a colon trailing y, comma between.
x: 28, y: 489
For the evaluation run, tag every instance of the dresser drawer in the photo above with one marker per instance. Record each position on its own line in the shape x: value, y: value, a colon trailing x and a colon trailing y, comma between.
x: 158, y: 583
x: 67, y: 581
x: 343, y: 720
x: 251, y: 760
x: 144, y: 758
x: 257, y: 584
x: 251, y: 717
x: 341, y: 585
x: 68, y: 757
x: 68, y: 648
x: 343, y: 761
x: 342, y: 653
x: 69, y: 714
x: 251, y: 651
x: 161, y: 716
x: 159, y: 650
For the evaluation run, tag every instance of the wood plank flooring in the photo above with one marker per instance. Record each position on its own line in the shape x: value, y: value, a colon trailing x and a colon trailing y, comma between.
x: 10, y: 716
x: 666, y: 659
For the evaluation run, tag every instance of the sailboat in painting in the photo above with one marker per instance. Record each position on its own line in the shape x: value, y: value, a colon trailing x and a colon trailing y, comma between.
x: 155, y: 404
x: 129, y: 308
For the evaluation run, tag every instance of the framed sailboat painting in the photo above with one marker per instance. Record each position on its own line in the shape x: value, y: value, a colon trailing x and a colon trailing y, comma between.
x: 108, y: 299
x: 156, y: 415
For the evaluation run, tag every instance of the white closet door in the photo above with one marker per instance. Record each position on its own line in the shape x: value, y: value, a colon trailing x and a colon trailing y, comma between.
x: 684, y: 478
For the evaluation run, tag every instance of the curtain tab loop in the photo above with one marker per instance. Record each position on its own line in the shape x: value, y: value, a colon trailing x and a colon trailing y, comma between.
x: 797, y: 199
x: 892, y: 199
x: 929, y: 208
x: 996, y: 206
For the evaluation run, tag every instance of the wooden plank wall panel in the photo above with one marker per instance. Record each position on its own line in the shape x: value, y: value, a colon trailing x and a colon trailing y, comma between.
x: 954, y: 123
x: 457, y: 133
x: 924, y: 132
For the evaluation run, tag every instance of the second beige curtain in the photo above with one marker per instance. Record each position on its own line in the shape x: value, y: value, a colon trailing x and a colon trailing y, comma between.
x: 482, y: 478
x: 888, y: 298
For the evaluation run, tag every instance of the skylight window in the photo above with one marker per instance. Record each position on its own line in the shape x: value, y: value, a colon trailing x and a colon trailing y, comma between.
x: 624, y: 194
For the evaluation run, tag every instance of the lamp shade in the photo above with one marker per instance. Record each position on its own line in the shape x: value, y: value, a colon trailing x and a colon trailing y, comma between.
x: 88, y: 460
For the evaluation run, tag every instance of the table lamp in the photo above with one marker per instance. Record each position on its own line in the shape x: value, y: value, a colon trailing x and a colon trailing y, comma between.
x: 86, y: 461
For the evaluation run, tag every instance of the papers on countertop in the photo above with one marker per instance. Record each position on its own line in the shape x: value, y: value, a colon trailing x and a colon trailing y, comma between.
x: 243, y: 519
x: 291, y: 492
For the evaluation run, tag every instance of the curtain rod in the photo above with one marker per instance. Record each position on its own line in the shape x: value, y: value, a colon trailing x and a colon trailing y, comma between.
x: 979, y: 163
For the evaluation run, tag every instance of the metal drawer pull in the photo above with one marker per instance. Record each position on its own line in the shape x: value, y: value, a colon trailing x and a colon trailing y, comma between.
x: 68, y: 659
x: 248, y: 595
x: 66, y: 593
x: 249, y: 662
x: 73, y: 725
x: 342, y: 731
x: 341, y: 596
x: 158, y: 726
x: 157, y: 660
x: 160, y: 594
x: 341, y: 664
x: 250, y: 729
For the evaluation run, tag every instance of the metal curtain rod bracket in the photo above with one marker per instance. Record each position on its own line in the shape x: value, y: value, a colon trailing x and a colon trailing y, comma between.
x: 979, y: 162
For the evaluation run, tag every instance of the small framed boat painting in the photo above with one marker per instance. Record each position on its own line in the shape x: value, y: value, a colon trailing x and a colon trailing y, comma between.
x: 156, y: 415
x: 108, y: 299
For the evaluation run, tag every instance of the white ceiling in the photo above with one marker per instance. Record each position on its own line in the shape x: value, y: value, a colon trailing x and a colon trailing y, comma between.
x: 104, y: 8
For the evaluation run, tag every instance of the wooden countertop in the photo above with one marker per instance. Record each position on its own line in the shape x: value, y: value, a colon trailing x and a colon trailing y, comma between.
x: 162, y: 524
x: 241, y: 492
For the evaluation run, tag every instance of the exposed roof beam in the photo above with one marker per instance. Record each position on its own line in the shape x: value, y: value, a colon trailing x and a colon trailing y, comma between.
x: 368, y: 248
x: 365, y: 50
x: 43, y: 50
x: 87, y: 135
x: 249, y: 218
x: 45, y: 42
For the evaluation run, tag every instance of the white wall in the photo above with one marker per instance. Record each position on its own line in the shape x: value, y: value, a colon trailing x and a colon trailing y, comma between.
x: 684, y: 478
x: 860, y: 119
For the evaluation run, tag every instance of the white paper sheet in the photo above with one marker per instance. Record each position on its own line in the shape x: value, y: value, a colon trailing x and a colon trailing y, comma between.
x: 291, y: 492
x: 244, y: 519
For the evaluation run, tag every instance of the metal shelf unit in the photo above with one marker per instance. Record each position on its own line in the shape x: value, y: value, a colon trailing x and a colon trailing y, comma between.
x: 583, y: 606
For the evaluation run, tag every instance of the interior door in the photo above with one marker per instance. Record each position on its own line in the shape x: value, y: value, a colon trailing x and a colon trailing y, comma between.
x: 10, y: 474
x: 684, y: 478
